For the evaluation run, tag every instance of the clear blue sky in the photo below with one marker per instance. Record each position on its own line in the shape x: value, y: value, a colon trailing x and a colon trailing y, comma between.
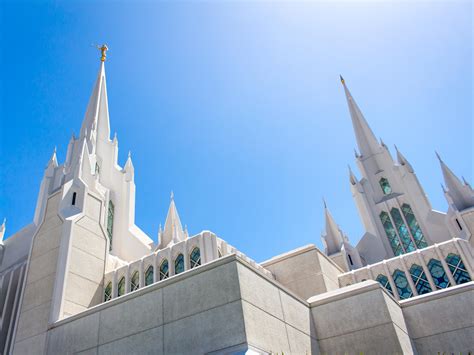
x: 237, y: 107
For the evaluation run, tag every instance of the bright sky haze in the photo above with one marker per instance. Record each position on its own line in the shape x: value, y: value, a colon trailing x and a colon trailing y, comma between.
x: 237, y: 106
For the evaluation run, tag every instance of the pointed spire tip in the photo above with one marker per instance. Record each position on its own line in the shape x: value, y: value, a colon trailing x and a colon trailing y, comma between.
x: 342, y: 79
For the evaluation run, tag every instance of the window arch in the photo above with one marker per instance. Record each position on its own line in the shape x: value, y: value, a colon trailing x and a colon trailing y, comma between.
x: 407, y: 242
x: 385, y: 185
x: 383, y: 280
x: 391, y: 234
x: 414, y: 226
x: 438, y: 274
x: 179, y: 264
x: 149, y: 275
x: 121, y: 287
x: 402, y: 285
x: 195, y: 258
x: 219, y: 253
x: 164, y: 270
x: 419, y: 279
x: 108, y: 292
x: 135, y: 281
x: 457, y: 268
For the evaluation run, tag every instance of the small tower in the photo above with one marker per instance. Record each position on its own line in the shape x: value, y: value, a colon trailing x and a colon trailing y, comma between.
x: 173, y: 231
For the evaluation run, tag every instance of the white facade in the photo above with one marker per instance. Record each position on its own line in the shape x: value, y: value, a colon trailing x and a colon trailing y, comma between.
x: 82, y: 277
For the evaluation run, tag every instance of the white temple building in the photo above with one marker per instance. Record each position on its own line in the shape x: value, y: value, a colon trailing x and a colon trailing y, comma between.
x: 82, y: 277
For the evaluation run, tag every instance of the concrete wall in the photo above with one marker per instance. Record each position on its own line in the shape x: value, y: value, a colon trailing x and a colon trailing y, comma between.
x: 442, y: 322
x: 360, y: 318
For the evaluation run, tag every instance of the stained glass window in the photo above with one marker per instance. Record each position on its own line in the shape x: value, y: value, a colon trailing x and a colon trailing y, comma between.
x: 134, y: 282
x: 110, y: 222
x: 149, y: 275
x: 179, y: 264
x: 121, y: 287
x: 108, y: 292
x: 401, y: 282
x: 164, y: 270
x: 385, y: 185
x: 391, y: 234
x: 407, y: 242
x: 414, y: 226
x: 383, y: 280
x: 419, y: 279
x: 195, y: 258
x: 437, y: 273
x: 458, y: 269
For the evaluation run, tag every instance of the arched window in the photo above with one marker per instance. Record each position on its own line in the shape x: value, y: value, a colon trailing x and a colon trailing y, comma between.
x: 164, y: 270
x: 391, y: 234
x: 414, y: 226
x: 401, y: 282
x: 73, y: 202
x: 179, y: 264
x: 383, y: 280
x: 110, y: 222
x: 149, y: 275
x: 419, y: 279
x: 385, y: 185
x: 108, y: 292
x: 134, y: 282
x: 408, y: 244
x: 121, y: 287
x: 195, y: 258
x: 219, y: 253
x: 458, y: 269
x: 437, y: 273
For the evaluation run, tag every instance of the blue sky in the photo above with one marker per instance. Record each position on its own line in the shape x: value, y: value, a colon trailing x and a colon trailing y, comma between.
x: 237, y: 106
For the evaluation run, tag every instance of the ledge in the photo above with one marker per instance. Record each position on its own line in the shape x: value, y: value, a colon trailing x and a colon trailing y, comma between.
x: 345, y: 292
x: 450, y: 291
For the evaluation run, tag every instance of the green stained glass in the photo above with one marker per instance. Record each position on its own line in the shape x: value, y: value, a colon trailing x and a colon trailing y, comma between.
x: 401, y: 282
x: 134, y: 282
x: 195, y: 258
x: 407, y: 242
x: 110, y: 222
x: 458, y: 269
x: 419, y: 279
x: 437, y: 273
x: 164, y: 270
x: 121, y: 287
x: 179, y: 264
x: 383, y: 280
x: 108, y: 292
x: 391, y: 234
x: 385, y: 185
x: 149, y: 276
x: 414, y: 226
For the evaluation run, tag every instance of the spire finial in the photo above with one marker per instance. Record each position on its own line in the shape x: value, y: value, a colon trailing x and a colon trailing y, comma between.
x: 342, y: 79
x: 172, y: 195
x: 324, y: 203
x: 103, y: 50
x: 439, y: 158
x: 129, y: 154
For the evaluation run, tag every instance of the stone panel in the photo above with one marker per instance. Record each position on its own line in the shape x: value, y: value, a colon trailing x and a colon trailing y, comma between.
x: 89, y: 242
x: 42, y: 265
x: 38, y: 292
x: 296, y: 314
x: 86, y: 265
x: 33, y: 321
x: 30, y: 346
x: 146, y: 342
x: 460, y: 341
x: 82, y: 291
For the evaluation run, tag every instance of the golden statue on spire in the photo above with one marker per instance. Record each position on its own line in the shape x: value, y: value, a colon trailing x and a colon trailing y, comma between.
x: 103, y: 49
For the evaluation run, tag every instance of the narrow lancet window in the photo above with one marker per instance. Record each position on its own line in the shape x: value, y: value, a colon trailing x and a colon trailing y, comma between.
x: 110, y: 222
x: 179, y: 264
x: 385, y: 185
x: 73, y: 202
x: 195, y: 258
x: 350, y: 259
x: 402, y: 229
x: 164, y: 270
x: 383, y: 280
x: 149, y: 275
x: 121, y: 287
x: 414, y: 226
x: 401, y: 282
x: 459, y: 224
x: 419, y: 279
x: 458, y: 269
x: 438, y: 274
x: 135, y: 282
x: 108, y: 292
x: 391, y: 234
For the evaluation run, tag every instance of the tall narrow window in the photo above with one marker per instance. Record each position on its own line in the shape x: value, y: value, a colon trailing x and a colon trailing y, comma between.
x: 73, y: 202
x: 97, y: 168
x: 385, y: 185
x: 121, y: 287
x: 149, y: 276
x: 110, y: 222
x: 419, y: 279
x: 350, y: 259
x: 414, y: 226
x: 195, y: 258
x: 391, y: 234
x: 401, y: 282
x: 179, y: 264
x: 164, y: 270
x: 459, y: 224
x: 383, y: 280
x: 437, y: 273
x: 458, y: 269
x: 108, y: 292
x: 219, y: 253
x: 407, y: 242
x: 135, y: 282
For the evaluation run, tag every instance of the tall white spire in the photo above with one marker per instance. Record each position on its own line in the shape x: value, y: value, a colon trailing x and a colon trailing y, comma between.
x: 403, y: 161
x: 461, y: 194
x: 2, y: 230
x: 333, y: 237
x: 173, y: 231
x: 366, y: 140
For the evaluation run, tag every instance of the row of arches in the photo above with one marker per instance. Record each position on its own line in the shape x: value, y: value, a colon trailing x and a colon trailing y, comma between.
x: 420, y: 280
x: 164, y: 273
